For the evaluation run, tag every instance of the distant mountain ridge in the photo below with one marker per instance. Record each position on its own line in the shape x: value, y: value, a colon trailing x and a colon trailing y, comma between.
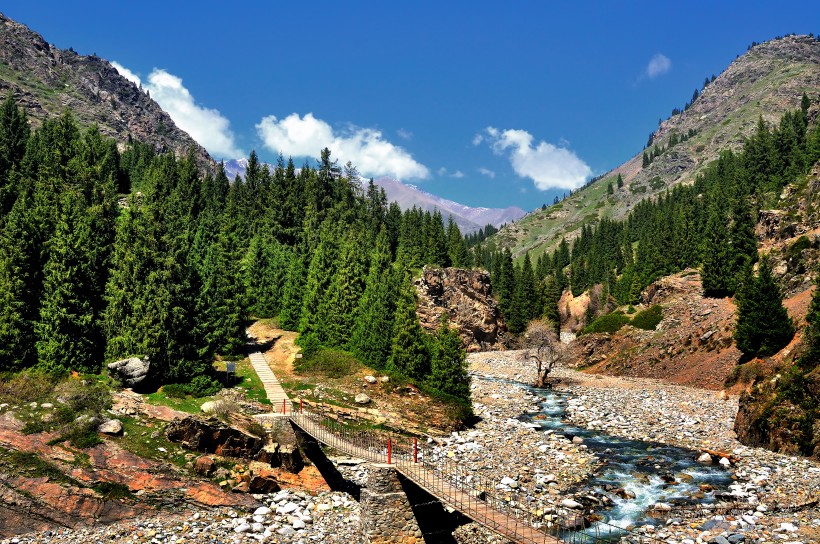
x: 766, y: 81
x: 46, y: 80
x: 468, y: 219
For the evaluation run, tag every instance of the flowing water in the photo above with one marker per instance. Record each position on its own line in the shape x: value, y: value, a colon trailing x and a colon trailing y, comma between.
x: 636, y: 475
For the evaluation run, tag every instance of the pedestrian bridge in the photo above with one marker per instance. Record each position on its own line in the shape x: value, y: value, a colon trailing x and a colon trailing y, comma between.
x: 503, y: 512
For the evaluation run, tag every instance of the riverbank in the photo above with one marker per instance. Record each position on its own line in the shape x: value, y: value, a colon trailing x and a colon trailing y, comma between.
x: 775, y: 496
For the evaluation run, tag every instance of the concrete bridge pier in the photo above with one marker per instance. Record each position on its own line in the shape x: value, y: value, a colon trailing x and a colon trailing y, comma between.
x: 387, y: 515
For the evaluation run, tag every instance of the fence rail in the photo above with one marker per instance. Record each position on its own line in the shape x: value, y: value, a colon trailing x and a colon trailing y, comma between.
x: 481, y: 499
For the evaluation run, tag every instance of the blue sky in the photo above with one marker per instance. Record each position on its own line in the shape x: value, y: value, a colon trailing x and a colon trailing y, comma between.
x: 487, y: 103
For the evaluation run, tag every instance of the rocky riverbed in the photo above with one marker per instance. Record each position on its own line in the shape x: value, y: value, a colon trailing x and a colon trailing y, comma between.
x: 774, y: 497
x: 282, y: 517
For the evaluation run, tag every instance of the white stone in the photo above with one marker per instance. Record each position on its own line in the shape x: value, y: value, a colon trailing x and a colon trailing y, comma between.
x: 298, y: 523
x: 112, y: 427
x: 385, y: 379
x: 46, y: 405
x: 242, y: 528
x: 705, y: 458
x: 569, y: 503
x: 370, y: 379
x: 362, y: 398
x: 261, y: 511
x: 257, y: 527
x: 725, y: 462
x: 287, y: 508
x: 323, y: 507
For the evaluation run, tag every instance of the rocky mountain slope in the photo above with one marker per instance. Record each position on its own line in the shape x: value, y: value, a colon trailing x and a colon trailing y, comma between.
x: 46, y: 80
x: 467, y: 218
x: 766, y: 81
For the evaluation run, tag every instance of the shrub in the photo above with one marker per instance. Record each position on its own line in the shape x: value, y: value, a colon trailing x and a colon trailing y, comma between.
x: 203, y: 386
x: 656, y: 183
x: 648, y: 319
x: 175, y: 391
x: 331, y: 363
x: 255, y: 428
x: 609, y: 323
x: 26, y: 386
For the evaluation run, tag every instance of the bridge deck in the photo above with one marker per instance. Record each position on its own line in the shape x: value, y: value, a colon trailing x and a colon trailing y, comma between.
x: 476, y: 509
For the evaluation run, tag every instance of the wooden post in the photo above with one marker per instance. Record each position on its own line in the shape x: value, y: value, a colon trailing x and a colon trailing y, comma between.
x: 389, y: 452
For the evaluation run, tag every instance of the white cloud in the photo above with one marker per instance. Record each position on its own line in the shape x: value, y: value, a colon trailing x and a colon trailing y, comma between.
x: 477, y: 139
x: 547, y: 165
x: 205, y: 125
x: 658, y: 65
x: 486, y: 172
x: 458, y: 174
x: 405, y: 134
x: 365, y: 147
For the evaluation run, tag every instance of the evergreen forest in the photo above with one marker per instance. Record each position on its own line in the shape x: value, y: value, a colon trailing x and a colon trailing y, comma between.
x: 110, y: 252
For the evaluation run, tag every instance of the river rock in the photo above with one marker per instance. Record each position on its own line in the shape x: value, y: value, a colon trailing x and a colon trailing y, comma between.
x: 705, y: 458
x: 362, y: 398
x: 569, y: 503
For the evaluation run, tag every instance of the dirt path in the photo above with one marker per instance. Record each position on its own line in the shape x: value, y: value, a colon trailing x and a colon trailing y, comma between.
x: 278, y: 347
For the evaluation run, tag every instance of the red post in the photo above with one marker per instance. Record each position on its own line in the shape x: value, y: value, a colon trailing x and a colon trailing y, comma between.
x: 301, y: 407
x: 415, y: 450
x: 389, y: 451
x: 284, y: 408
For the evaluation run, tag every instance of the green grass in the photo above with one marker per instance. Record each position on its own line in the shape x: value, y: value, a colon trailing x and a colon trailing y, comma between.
x: 144, y: 439
x: 245, y: 379
x: 32, y: 466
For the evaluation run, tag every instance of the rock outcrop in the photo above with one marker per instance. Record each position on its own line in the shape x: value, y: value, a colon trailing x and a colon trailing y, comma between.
x: 775, y: 414
x: 213, y: 436
x: 466, y: 297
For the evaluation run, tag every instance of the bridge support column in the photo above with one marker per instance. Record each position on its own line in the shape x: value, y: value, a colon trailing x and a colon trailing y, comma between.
x: 386, y: 512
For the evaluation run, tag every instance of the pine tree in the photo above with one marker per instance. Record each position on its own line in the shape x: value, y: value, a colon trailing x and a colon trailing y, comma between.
x: 448, y: 372
x: 292, y: 294
x: 14, y: 134
x: 373, y: 330
x: 65, y: 331
x: 763, y: 325
x: 456, y: 246
x: 20, y: 284
x: 410, y: 354
x: 718, y: 279
x: 337, y: 311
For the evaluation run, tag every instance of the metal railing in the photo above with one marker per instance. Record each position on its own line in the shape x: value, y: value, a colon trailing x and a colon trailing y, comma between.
x: 505, y: 511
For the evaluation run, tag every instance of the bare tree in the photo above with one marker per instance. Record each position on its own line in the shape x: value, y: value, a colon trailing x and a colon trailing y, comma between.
x: 545, y: 349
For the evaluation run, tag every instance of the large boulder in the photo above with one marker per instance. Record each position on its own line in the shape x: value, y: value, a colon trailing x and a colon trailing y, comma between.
x: 130, y: 371
x: 466, y: 297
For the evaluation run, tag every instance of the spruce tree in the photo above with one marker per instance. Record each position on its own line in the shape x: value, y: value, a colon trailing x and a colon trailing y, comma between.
x: 292, y: 293
x: 410, y: 354
x: 373, y: 329
x: 337, y: 311
x: 20, y: 285
x: 65, y: 331
x: 717, y: 275
x: 456, y: 246
x: 763, y: 325
x: 448, y: 372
